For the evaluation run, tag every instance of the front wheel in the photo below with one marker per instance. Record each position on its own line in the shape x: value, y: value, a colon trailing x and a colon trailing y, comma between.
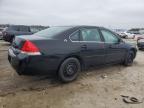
x: 69, y: 70
x: 129, y: 59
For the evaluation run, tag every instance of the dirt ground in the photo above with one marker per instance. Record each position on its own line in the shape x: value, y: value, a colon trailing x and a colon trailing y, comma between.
x: 96, y: 88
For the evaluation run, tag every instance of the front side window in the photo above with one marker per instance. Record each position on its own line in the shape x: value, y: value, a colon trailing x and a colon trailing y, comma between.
x: 109, y: 37
x: 90, y: 35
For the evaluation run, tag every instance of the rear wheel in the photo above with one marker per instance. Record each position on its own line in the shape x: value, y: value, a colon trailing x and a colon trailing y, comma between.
x: 69, y: 70
x: 12, y: 39
x: 129, y: 59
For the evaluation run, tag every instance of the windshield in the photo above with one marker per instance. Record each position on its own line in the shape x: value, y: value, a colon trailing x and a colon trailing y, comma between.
x: 52, y: 31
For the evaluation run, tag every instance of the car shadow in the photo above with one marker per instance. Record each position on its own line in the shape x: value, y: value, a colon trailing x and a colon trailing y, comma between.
x: 39, y: 82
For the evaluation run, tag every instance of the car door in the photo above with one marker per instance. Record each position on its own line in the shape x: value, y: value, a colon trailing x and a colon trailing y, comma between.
x: 92, y: 47
x: 115, y: 48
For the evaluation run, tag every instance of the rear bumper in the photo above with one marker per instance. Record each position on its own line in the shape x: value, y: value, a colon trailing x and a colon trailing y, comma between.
x: 40, y: 64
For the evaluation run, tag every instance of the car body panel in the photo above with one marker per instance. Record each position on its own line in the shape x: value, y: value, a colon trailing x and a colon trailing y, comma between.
x: 92, y: 53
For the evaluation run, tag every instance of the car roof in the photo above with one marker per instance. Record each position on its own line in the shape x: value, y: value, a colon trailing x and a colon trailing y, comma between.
x: 18, y: 26
x: 75, y: 26
x: 71, y: 29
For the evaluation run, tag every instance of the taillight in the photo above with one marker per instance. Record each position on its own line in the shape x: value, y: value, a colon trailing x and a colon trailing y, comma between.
x: 30, y: 48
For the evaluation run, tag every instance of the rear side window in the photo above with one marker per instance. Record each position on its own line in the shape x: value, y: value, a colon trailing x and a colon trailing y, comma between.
x: 75, y: 36
x: 109, y: 37
x: 90, y: 35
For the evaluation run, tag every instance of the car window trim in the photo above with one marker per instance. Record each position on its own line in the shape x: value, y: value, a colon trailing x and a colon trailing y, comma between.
x: 110, y: 32
x: 86, y: 41
x: 72, y: 35
x: 98, y: 32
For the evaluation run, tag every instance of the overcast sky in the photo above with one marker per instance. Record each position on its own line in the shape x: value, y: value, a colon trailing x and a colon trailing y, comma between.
x: 108, y: 13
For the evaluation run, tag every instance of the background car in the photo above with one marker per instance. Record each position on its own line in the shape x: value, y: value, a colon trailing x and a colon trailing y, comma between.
x: 129, y: 35
x: 13, y: 30
x: 122, y: 34
x: 126, y: 34
x: 140, y: 43
x: 66, y: 50
x: 1, y: 29
x: 138, y: 32
x: 140, y: 35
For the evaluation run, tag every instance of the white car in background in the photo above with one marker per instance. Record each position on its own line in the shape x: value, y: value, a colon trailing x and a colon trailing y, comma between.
x: 139, y: 35
x: 1, y: 29
x: 122, y: 34
x: 129, y: 35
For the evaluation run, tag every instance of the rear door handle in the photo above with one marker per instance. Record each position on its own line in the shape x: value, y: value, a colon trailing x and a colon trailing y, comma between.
x: 84, y: 46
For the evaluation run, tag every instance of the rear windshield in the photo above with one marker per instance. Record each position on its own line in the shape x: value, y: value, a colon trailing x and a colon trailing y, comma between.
x: 52, y: 31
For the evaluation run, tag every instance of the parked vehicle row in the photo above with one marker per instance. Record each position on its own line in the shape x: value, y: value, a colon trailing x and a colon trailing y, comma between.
x: 67, y: 50
x: 9, y: 33
x: 122, y: 34
x: 132, y: 34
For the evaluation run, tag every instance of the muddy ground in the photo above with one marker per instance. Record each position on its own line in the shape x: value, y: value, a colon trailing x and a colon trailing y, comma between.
x: 96, y: 88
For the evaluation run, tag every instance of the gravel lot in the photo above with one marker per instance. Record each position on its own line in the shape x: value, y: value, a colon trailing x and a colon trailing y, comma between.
x: 96, y: 88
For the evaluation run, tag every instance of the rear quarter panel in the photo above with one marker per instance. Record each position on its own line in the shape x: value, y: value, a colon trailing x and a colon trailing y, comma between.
x: 57, y: 50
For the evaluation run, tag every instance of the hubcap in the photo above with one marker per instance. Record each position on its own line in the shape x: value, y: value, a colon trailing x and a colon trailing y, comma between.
x: 70, y: 69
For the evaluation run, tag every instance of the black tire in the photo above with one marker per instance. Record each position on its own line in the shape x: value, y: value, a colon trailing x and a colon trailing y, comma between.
x: 12, y: 39
x: 129, y: 59
x: 69, y: 70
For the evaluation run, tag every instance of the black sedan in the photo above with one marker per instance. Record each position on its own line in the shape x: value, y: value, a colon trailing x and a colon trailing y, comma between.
x: 66, y: 50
